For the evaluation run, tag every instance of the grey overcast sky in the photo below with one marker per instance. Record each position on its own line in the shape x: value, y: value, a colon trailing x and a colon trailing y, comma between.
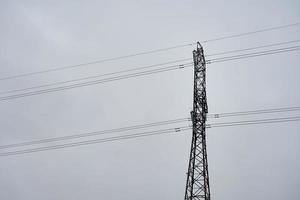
x: 247, y: 162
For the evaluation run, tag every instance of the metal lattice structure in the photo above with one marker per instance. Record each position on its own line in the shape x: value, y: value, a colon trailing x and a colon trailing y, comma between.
x: 197, y: 185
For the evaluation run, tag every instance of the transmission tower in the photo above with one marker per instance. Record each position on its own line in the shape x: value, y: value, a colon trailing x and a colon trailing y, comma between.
x: 197, y: 185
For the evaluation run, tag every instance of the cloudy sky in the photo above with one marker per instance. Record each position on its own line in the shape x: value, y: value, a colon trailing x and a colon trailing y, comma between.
x: 245, y: 162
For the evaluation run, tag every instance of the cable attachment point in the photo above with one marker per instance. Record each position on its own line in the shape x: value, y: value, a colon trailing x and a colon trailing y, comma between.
x: 216, y: 116
x: 177, y: 129
x: 181, y: 66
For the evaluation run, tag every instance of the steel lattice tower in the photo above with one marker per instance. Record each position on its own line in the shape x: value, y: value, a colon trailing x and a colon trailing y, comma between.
x: 197, y: 185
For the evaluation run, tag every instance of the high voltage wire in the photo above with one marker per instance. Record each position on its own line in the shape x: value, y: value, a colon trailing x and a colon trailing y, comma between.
x: 95, y: 62
x: 149, y: 133
x: 266, y: 52
x: 144, y: 73
x: 251, y: 32
x: 148, y: 125
x: 253, y: 112
x: 144, y: 67
x: 144, y: 134
x: 250, y: 122
x: 97, y: 76
x: 148, y: 52
x: 254, y: 54
x: 253, y: 48
x: 137, y: 68
x: 108, y: 139
x: 96, y: 133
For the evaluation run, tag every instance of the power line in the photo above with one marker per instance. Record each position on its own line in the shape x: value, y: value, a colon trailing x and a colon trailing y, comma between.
x: 138, y: 68
x: 96, y: 133
x: 96, y: 76
x: 253, y: 48
x: 144, y: 73
x: 147, y: 125
x: 145, y: 134
x: 251, y: 32
x: 255, y: 54
x: 88, y: 142
x: 253, y: 112
x: 95, y: 62
x: 164, y: 69
x: 251, y: 122
x: 261, y: 52
x: 147, y: 52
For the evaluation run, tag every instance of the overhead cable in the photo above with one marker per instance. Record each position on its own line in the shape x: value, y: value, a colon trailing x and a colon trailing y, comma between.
x: 145, y: 134
x: 95, y: 141
x: 251, y: 122
x: 254, y: 112
x: 97, y: 76
x: 143, y: 73
x: 148, y: 52
x: 138, y: 68
x: 253, y: 48
x: 251, y: 32
x: 254, y: 54
x: 94, y: 82
x: 96, y: 133
x: 148, y: 125
x: 94, y: 62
